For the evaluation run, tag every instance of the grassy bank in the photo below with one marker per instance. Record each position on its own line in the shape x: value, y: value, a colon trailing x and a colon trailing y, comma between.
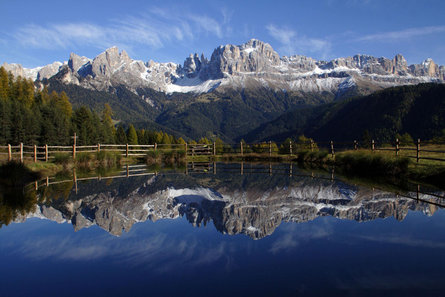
x: 167, y: 157
x: 360, y: 163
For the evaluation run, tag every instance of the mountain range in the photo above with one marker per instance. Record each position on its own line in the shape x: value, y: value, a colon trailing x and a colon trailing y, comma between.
x: 250, y: 204
x: 237, y: 89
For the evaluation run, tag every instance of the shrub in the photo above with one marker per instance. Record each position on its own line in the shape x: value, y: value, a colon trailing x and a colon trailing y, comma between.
x: 84, y: 157
x: 108, y: 158
x: 153, y: 157
x: 62, y: 159
x: 306, y: 156
x: 372, y: 164
x: 101, y: 156
x: 170, y: 157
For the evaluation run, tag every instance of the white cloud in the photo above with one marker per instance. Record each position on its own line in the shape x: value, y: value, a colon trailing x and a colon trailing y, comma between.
x: 207, y: 24
x: 286, y: 242
x: 155, y: 28
x: 408, y: 241
x: 293, y: 43
x: 283, y: 35
x: 403, y: 34
x: 294, y: 235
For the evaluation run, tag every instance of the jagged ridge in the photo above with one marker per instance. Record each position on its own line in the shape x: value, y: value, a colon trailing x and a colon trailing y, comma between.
x: 252, y: 64
x: 251, y: 211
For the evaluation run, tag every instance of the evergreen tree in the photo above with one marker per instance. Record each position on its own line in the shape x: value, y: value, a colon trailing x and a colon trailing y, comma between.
x: 121, y: 138
x: 107, y: 122
x: 5, y: 121
x: 132, y: 137
x: 4, y: 84
x: 84, y: 126
x: 141, y: 136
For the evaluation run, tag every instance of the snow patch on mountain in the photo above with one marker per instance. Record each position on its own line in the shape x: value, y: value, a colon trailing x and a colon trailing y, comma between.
x: 253, y: 64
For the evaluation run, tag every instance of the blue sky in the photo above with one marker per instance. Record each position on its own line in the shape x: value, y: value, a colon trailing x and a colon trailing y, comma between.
x: 35, y: 33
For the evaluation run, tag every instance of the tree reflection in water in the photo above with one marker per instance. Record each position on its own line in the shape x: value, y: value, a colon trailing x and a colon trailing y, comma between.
x: 15, y: 197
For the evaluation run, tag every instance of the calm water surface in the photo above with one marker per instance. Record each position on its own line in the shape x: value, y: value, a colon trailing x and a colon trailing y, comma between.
x: 219, y: 233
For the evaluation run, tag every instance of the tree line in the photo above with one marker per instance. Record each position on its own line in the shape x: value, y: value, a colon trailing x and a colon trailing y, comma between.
x: 36, y: 116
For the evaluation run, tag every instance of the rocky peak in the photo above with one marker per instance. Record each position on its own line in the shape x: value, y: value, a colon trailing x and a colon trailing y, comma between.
x: 427, y: 68
x: 400, y: 66
x: 431, y: 68
x: 108, y: 61
x: 192, y: 65
x: 75, y: 62
x: 253, y: 56
x: 49, y: 70
x: 15, y: 69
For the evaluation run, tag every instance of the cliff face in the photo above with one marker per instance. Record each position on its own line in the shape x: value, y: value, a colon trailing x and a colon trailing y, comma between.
x: 250, y: 211
x: 250, y: 65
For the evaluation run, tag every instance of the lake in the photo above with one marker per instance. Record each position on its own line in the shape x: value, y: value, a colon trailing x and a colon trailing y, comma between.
x: 224, y: 230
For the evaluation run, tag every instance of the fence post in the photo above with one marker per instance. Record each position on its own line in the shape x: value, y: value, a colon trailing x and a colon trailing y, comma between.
x: 75, y: 179
x: 46, y: 153
x: 126, y: 150
x: 355, y: 145
x: 312, y: 145
x: 241, y: 148
x: 21, y: 152
x: 35, y: 153
x: 74, y: 145
x: 270, y: 148
x: 290, y: 147
x: 9, y: 153
x: 332, y: 149
x: 397, y: 146
x: 372, y: 145
x: 418, y: 150
x: 214, y: 149
x: 185, y: 144
x: 156, y: 146
x: 98, y: 147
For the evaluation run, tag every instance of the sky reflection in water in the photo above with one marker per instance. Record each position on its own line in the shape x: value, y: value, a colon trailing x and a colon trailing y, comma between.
x: 170, y: 257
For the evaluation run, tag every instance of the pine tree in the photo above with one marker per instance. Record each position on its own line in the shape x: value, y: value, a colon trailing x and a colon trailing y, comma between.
x: 121, y: 138
x: 5, y: 122
x: 107, y: 122
x: 141, y: 136
x: 132, y: 137
x: 4, y: 84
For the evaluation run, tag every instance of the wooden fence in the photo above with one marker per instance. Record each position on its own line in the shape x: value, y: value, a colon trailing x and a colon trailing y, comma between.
x: 419, y: 150
x: 47, y: 152
x: 213, y: 168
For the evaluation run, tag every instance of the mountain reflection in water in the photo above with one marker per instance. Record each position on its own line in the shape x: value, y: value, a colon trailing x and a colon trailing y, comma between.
x: 237, y: 199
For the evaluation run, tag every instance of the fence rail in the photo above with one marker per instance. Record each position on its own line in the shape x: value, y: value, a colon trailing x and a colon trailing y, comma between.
x: 419, y: 151
x: 209, y: 168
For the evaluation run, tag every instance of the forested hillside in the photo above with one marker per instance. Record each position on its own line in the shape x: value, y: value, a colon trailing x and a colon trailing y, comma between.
x: 35, y: 116
x: 418, y: 110
x: 227, y: 115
